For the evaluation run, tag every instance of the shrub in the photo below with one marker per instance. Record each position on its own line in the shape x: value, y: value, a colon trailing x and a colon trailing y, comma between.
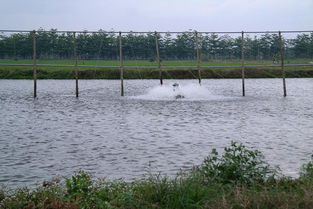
x: 307, y: 170
x: 238, y: 165
x: 78, y: 188
x: 78, y: 185
x: 2, y: 195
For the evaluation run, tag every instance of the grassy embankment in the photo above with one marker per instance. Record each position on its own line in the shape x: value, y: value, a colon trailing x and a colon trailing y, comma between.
x: 239, y: 178
x: 17, y: 72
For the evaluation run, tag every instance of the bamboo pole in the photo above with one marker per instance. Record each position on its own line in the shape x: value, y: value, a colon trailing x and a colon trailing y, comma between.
x: 243, y: 63
x: 158, y: 57
x: 76, y: 63
x: 34, y: 64
x: 282, y: 64
x: 121, y: 64
x: 198, y: 57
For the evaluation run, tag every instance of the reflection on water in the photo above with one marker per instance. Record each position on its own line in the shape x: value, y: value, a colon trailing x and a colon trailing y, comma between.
x: 148, y: 130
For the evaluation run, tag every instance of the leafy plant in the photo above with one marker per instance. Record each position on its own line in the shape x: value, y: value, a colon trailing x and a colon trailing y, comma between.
x: 79, y: 188
x: 307, y: 170
x: 237, y: 165
x: 79, y: 184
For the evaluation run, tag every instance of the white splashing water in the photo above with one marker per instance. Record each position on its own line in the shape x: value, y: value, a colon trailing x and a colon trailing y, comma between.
x: 191, y: 92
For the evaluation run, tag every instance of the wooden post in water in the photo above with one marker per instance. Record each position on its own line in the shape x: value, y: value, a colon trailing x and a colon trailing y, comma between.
x: 198, y: 56
x: 76, y: 62
x: 243, y: 63
x: 282, y: 64
x: 121, y: 64
x: 158, y: 57
x: 34, y: 64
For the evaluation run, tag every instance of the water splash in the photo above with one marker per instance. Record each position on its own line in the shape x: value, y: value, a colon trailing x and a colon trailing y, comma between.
x: 191, y: 92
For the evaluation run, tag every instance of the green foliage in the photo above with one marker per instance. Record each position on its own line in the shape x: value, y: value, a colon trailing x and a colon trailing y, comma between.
x: 59, y: 45
x: 239, y: 178
x: 78, y: 188
x: 11, y: 72
x: 238, y: 165
x: 2, y: 194
x: 307, y: 170
x: 78, y: 185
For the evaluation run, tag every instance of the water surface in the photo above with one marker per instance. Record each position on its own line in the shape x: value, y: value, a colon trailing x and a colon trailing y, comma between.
x: 148, y: 130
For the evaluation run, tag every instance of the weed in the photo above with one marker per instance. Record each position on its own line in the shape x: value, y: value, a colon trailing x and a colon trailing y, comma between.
x: 307, y: 170
x: 239, y: 178
x: 238, y: 165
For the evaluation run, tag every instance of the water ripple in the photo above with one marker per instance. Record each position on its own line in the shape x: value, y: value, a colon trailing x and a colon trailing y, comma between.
x: 148, y: 130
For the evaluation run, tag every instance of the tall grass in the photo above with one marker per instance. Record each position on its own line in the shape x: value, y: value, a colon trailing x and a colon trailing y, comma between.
x: 237, y: 178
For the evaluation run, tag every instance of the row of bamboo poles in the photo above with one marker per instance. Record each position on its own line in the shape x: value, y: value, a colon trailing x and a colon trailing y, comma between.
x: 198, y: 61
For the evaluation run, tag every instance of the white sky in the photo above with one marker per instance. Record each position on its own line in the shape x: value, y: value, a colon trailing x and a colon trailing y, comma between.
x: 160, y: 15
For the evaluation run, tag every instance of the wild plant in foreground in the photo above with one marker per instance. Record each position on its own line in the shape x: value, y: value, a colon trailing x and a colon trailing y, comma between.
x: 307, y: 170
x: 239, y: 178
x: 237, y: 165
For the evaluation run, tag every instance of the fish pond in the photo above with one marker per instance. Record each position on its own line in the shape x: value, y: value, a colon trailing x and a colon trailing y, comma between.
x: 149, y: 130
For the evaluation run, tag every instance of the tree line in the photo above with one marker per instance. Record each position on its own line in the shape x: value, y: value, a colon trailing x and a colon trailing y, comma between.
x: 55, y: 45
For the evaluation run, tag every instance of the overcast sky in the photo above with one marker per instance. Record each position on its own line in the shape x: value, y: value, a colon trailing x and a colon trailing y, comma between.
x: 160, y: 15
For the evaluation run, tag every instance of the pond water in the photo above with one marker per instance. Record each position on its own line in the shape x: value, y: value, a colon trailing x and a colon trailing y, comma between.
x: 148, y: 130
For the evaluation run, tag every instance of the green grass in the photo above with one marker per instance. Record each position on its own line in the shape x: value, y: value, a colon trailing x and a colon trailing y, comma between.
x: 148, y: 63
x: 237, y: 178
x: 44, y: 72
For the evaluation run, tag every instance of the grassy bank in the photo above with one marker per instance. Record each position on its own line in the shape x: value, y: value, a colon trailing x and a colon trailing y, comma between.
x: 18, y: 72
x: 239, y: 178
x: 56, y: 73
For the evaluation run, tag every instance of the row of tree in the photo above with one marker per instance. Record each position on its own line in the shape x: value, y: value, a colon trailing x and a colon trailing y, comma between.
x: 55, y: 45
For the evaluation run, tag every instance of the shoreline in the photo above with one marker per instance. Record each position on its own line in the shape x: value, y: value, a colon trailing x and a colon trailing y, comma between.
x: 238, y: 178
x: 43, y: 73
